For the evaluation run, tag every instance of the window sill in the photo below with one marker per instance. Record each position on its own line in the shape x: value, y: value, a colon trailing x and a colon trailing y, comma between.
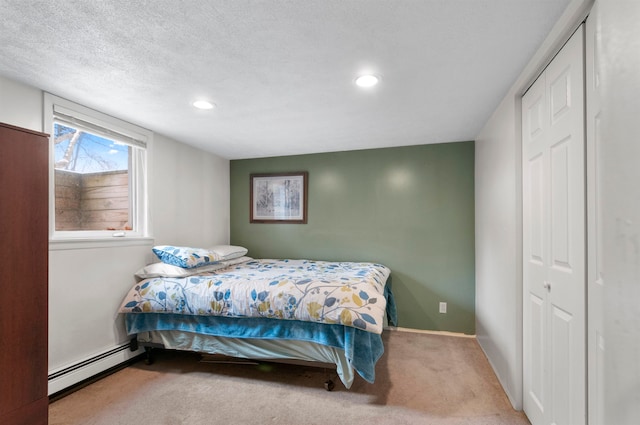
x: 91, y: 243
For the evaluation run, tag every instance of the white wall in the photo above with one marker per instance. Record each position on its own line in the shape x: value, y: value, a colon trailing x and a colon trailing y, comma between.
x: 619, y: 57
x: 20, y: 105
x: 498, y: 223
x: 499, y: 247
x: 189, y: 204
x: 190, y: 195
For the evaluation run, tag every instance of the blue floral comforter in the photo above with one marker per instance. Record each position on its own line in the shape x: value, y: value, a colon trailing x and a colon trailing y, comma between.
x: 347, y: 293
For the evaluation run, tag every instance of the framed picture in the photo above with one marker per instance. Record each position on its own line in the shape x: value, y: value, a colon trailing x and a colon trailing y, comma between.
x: 279, y: 198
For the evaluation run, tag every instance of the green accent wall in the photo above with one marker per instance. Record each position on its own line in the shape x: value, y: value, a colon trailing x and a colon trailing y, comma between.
x: 409, y: 208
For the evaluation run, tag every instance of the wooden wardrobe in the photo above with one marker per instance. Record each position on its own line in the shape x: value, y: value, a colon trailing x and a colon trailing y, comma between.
x: 23, y: 276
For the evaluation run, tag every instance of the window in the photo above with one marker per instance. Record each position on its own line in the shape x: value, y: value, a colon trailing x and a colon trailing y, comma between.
x: 97, y: 172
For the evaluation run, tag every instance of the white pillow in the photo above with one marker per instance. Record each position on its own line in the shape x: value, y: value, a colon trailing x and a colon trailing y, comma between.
x: 228, y: 252
x: 169, y: 270
x: 235, y: 261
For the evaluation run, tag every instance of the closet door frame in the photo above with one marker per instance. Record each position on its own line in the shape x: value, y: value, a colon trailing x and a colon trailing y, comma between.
x: 595, y: 272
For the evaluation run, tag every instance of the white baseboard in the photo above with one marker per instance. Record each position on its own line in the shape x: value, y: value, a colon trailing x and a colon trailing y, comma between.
x: 422, y: 331
x: 67, y: 376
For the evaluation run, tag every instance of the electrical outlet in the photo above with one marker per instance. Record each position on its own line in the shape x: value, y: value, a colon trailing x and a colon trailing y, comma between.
x: 443, y: 307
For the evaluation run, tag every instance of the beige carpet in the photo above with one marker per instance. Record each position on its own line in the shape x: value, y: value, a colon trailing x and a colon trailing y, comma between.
x: 421, y: 379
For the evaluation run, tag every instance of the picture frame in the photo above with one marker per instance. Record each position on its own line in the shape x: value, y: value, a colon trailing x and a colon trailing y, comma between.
x: 279, y: 198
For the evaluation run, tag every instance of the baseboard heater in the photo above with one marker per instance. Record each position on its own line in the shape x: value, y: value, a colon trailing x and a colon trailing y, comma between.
x: 68, y: 376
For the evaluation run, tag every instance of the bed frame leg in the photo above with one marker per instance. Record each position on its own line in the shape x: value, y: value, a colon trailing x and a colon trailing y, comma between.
x: 148, y: 358
x: 329, y: 385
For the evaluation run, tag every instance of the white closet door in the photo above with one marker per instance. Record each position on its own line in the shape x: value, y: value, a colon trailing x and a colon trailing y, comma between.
x: 554, y: 319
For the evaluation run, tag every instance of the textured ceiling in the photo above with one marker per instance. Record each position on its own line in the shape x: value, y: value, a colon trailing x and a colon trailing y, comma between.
x: 280, y: 72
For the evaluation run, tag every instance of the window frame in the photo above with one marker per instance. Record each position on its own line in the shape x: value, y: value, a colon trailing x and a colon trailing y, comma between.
x: 139, y: 138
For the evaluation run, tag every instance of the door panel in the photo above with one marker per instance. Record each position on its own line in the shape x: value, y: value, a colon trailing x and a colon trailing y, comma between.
x: 535, y: 114
x: 560, y: 205
x: 538, y: 347
x: 561, y: 379
x: 560, y: 88
x: 536, y: 221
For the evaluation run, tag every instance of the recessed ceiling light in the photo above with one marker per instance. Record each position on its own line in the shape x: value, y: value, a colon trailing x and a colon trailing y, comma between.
x: 367, y: 80
x: 203, y: 104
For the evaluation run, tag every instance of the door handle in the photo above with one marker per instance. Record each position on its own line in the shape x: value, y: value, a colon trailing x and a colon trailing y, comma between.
x: 547, y: 285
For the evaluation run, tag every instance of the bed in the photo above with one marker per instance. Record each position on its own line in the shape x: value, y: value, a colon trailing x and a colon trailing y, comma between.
x: 325, y: 313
